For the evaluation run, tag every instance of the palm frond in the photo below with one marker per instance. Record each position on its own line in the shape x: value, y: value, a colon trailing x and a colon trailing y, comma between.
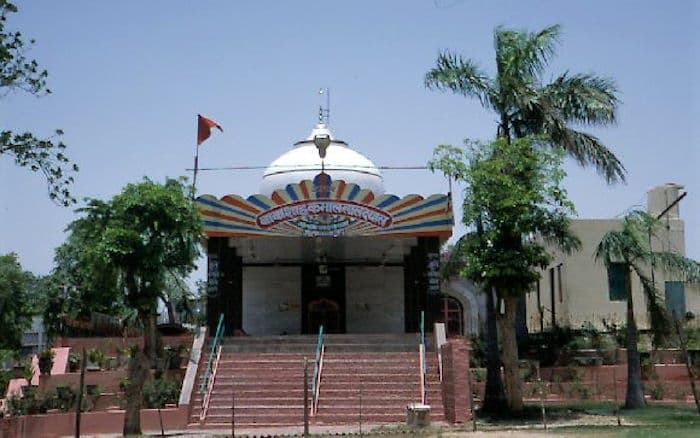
x: 677, y: 264
x: 459, y: 75
x: 659, y: 320
x: 524, y: 55
x: 612, y: 248
x: 583, y: 98
x: 586, y: 149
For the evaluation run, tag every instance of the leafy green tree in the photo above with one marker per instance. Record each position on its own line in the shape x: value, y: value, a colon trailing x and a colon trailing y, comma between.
x: 514, y: 195
x: 526, y: 105
x: 630, y: 245
x: 17, y: 73
x: 146, y: 232
x: 81, y: 283
x: 15, y: 303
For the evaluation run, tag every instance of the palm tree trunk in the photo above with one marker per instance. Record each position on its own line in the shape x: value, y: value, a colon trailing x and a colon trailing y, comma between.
x: 635, y: 389
x: 511, y: 370
x: 683, y: 341
x: 494, y: 394
x: 137, y: 373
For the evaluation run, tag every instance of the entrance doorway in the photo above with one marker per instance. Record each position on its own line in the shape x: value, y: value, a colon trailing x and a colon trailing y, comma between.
x: 323, y: 298
x: 324, y: 312
x: 452, y: 314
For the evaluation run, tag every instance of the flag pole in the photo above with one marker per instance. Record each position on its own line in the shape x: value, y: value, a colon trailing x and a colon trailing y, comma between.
x: 196, y: 166
x: 196, y: 162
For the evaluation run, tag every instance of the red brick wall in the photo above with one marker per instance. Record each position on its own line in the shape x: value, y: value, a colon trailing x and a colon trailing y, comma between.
x: 455, y: 381
x: 109, y: 345
x: 91, y: 423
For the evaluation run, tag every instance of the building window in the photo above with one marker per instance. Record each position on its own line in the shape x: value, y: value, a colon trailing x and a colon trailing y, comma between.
x: 618, y: 281
x: 452, y: 316
x: 675, y: 298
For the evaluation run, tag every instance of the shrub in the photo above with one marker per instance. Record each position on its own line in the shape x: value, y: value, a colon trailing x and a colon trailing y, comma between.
x: 16, y: 406
x: 477, y: 358
x: 5, y: 377
x: 46, y: 360
x: 607, y: 348
x: 648, y: 368
x: 658, y: 390
x: 123, y: 383
x: 578, y: 388
x: 65, y: 397
x: 173, y: 356
x: 28, y: 370
x: 159, y: 392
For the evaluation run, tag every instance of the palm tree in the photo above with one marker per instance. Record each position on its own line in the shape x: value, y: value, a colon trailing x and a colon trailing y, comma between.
x: 630, y: 246
x: 525, y: 106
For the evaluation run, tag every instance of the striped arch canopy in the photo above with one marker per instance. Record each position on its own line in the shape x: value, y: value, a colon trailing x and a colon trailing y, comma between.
x: 322, y: 207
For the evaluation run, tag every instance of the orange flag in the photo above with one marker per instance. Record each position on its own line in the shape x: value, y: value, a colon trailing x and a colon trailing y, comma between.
x: 204, y: 126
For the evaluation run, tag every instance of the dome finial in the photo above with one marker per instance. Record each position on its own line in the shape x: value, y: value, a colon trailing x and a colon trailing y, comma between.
x: 325, y: 113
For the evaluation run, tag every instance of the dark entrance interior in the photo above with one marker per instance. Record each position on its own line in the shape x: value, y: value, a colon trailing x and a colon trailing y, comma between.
x: 323, y: 298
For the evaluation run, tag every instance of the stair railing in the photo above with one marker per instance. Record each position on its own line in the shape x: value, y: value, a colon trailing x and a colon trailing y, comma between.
x: 210, y: 386
x: 423, y: 364
x: 318, y: 369
x: 214, y: 343
x: 207, y: 384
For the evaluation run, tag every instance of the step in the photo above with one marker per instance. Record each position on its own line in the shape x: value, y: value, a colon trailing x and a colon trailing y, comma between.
x: 271, y: 417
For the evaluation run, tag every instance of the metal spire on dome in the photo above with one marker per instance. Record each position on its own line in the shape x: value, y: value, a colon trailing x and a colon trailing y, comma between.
x: 324, y: 115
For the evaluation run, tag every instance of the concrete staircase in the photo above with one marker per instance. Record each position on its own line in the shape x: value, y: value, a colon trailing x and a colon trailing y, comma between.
x: 365, y: 377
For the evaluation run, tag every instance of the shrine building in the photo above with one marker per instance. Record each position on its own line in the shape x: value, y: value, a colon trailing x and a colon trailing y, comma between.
x: 324, y: 244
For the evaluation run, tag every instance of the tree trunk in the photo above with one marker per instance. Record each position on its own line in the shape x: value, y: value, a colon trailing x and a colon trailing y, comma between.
x: 511, y: 370
x: 494, y: 395
x: 635, y: 390
x: 137, y: 373
x: 683, y: 341
x: 150, y: 336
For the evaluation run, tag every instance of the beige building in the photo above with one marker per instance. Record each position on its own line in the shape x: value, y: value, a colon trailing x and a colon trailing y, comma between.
x: 576, y: 289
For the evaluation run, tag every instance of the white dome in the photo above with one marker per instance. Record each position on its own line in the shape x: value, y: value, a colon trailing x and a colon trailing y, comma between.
x: 303, y: 162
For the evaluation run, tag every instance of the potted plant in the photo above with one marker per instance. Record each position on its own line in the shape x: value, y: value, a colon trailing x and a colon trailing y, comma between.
x: 46, y: 360
x: 95, y: 360
x: 73, y: 362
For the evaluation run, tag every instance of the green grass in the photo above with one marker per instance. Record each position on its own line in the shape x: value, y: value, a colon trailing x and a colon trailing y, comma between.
x: 631, y: 431
x: 652, y: 421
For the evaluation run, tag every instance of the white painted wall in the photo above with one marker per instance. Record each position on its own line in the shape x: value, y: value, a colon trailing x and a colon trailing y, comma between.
x: 374, y: 299
x: 271, y: 300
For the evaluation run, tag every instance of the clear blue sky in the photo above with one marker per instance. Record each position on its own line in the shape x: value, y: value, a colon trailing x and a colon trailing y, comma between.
x: 130, y: 76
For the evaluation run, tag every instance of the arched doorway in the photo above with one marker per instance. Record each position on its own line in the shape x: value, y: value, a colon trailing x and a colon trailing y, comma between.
x: 452, y: 314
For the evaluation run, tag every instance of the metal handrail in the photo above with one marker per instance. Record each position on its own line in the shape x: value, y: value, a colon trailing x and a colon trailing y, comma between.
x: 423, y: 364
x: 215, y: 342
x: 318, y: 368
x: 210, y: 387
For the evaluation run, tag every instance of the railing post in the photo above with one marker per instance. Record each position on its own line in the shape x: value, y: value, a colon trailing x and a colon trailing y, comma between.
x: 422, y: 360
x: 306, y: 397
x: 318, y: 364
